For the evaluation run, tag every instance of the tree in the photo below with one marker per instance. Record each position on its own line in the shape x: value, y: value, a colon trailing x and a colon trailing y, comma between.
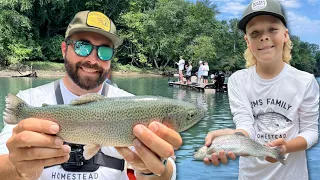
x: 302, y: 55
x: 16, y: 41
x: 155, y: 33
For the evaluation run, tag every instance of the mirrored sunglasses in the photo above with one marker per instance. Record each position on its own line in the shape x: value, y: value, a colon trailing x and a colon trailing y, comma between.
x: 84, y: 49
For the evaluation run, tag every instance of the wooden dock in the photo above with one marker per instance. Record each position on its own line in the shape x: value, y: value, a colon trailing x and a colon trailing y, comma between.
x: 208, y: 88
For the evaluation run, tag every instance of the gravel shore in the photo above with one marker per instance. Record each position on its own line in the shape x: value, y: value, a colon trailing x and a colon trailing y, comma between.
x: 7, y: 73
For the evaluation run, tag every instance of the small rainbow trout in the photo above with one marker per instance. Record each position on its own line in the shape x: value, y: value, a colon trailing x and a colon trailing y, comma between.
x: 240, y: 145
x: 95, y: 121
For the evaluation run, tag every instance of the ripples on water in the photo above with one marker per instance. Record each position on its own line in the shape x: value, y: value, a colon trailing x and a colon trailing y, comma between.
x: 217, y: 116
x: 13, y: 85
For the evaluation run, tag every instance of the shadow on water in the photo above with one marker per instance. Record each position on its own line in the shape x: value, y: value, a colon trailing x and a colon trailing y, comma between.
x: 217, y: 116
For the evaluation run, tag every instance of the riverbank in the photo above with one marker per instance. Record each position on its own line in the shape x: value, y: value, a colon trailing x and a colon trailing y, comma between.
x: 42, y: 73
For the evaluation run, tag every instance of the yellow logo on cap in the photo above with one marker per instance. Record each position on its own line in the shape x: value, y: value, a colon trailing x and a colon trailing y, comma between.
x: 99, y: 20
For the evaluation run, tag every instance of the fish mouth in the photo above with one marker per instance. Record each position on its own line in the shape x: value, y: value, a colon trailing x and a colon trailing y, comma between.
x: 265, y: 48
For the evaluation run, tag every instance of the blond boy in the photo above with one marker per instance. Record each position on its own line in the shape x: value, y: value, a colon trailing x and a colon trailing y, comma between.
x: 271, y: 102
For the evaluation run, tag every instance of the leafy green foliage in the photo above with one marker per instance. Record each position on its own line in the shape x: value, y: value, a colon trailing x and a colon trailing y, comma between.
x: 155, y: 33
x: 16, y: 43
x: 202, y: 48
x: 51, y: 48
x: 302, y: 55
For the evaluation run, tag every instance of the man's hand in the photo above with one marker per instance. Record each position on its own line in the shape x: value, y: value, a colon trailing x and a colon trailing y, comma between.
x: 152, y: 144
x: 33, y: 145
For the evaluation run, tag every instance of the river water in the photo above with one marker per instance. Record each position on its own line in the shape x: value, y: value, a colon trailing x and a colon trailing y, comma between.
x: 217, y: 116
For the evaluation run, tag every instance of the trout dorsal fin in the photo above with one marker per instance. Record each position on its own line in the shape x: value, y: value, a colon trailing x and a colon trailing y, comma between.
x: 45, y: 104
x: 87, y: 98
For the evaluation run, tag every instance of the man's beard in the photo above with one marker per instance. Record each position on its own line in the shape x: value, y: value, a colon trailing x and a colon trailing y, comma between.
x: 85, y: 82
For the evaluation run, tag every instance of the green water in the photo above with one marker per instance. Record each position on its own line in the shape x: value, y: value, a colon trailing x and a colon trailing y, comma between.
x: 217, y: 116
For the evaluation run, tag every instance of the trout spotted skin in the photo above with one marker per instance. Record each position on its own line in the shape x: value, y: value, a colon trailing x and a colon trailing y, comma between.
x: 96, y: 120
x: 240, y: 145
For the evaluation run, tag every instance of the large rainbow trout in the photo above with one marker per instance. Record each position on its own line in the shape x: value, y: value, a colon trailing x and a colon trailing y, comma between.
x: 240, y: 145
x: 96, y: 121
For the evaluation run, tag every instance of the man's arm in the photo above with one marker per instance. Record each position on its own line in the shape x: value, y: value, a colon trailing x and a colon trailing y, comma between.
x: 7, y: 169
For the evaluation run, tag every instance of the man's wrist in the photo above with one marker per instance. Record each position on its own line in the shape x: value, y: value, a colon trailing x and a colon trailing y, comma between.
x: 164, y: 162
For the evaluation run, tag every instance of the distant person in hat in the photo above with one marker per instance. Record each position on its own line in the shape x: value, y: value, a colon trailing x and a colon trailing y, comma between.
x: 271, y: 102
x: 31, y: 150
x: 188, y: 72
x: 181, y: 64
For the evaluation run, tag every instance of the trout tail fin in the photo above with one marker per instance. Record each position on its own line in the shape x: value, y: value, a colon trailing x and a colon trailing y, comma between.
x: 280, y: 157
x: 13, y: 105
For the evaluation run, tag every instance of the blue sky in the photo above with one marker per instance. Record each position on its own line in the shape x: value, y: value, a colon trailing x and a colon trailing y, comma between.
x: 303, y: 16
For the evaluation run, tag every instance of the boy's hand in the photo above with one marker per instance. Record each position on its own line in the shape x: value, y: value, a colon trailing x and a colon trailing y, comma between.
x: 221, y: 156
x: 281, y: 143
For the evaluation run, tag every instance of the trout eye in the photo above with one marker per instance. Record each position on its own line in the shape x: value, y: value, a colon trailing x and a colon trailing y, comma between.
x: 191, y: 115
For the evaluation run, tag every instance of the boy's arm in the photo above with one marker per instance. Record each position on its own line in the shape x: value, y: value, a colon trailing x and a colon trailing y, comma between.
x: 242, y: 117
x: 309, y: 114
x: 240, y: 107
x: 308, y: 123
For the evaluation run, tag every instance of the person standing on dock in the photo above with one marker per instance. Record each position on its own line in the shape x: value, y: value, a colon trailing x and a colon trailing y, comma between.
x: 199, y: 73
x: 181, y: 68
x: 188, y: 72
x: 205, y: 73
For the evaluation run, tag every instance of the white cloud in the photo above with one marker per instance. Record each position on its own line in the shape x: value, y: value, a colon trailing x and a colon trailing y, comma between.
x: 302, y: 25
x: 307, y: 28
x: 291, y: 4
x: 234, y: 8
x: 228, y: 1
